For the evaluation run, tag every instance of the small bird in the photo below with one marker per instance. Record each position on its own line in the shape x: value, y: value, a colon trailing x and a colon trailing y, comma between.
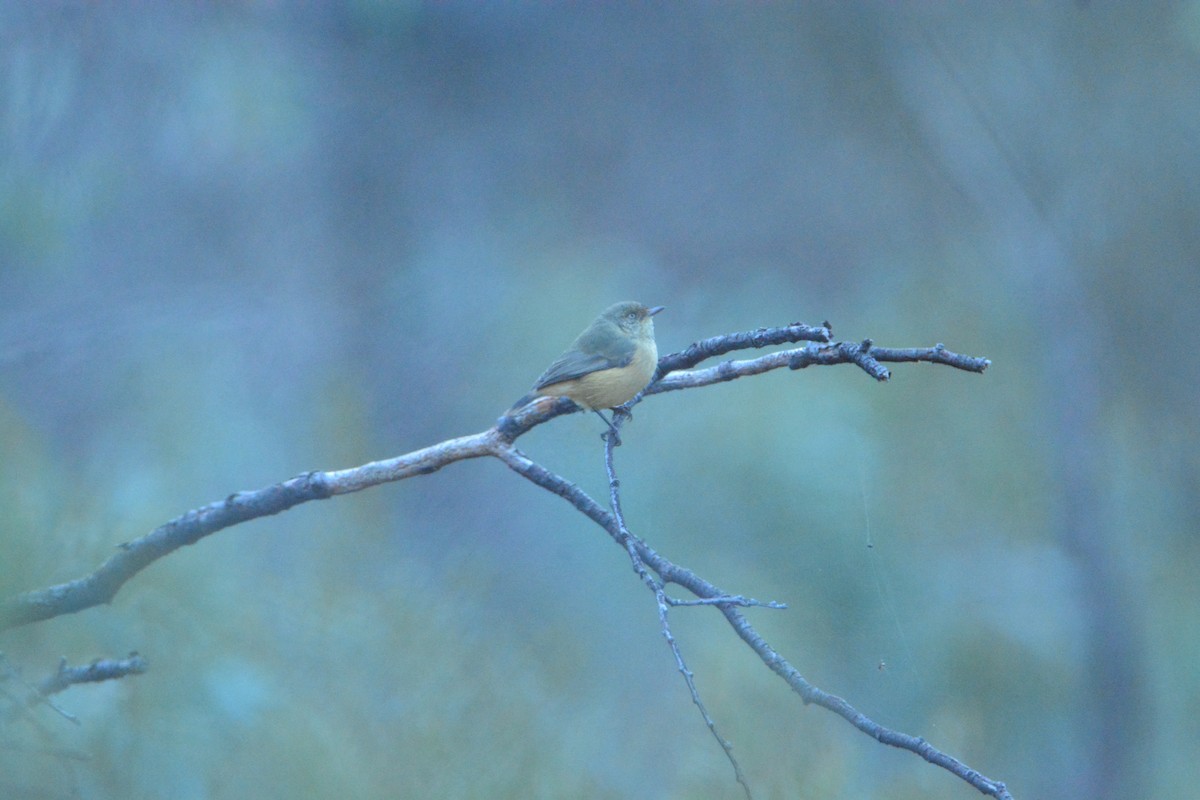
x: 607, y: 365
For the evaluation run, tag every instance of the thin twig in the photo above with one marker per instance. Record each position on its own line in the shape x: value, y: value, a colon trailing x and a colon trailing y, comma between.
x: 102, y: 669
x: 614, y: 493
x: 728, y: 600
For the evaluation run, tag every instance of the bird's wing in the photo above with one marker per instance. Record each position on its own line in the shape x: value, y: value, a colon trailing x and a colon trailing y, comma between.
x: 592, y: 352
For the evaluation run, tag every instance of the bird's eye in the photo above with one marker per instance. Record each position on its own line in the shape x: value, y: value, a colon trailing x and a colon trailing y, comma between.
x: 631, y: 316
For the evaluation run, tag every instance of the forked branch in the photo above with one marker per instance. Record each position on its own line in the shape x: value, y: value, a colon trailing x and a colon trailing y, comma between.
x: 674, y: 373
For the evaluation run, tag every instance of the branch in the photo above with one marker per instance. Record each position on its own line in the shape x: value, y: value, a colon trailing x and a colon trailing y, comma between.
x: 103, y: 584
x: 748, y: 340
x: 102, y: 669
x: 673, y: 573
x: 864, y: 355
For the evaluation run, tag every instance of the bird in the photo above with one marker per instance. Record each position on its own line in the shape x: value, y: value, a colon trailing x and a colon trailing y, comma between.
x: 612, y: 360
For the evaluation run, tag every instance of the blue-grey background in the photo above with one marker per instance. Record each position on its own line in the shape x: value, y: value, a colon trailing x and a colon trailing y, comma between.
x: 240, y: 241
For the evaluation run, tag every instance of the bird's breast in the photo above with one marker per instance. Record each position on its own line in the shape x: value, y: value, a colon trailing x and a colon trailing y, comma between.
x: 607, y: 388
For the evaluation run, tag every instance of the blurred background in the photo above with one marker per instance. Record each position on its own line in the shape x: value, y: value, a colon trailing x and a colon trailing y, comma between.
x: 244, y: 240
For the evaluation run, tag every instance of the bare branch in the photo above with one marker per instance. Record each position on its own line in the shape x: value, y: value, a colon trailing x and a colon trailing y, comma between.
x: 670, y: 572
x: 747, y: 340
x: 865, y: 355
x: 728, y: 600
x: 102, y: 669
x: 102, y: 585
x: 418, y: 462
x: 811, y: 694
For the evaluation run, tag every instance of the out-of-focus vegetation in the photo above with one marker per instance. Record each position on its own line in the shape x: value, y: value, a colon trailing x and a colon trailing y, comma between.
x: 246, y: 240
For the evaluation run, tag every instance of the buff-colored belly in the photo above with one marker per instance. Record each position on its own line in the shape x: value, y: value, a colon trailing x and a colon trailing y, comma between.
x: 609, y: 387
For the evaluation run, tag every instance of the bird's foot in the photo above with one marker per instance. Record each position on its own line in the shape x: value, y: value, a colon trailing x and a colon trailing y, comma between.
x: 612, y: 431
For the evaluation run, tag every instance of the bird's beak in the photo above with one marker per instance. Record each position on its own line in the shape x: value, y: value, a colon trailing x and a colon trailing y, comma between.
x: 655, y: 310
